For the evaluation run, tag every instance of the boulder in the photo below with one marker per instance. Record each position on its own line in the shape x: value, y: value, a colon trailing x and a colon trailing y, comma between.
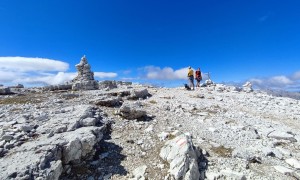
x: 5, y: 91
x: 46, y: 157
x: 138, y: 173
x: 183, y: 158
x: 109, y: 102
x: 281, y: 135
x: 137, y: 94
x: 132, y: 111
x: 107, y: 85
x: 283, y: 170
x: 293, y: 162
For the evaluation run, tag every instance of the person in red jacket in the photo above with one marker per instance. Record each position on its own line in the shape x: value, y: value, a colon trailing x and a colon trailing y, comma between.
x: 198, y: 77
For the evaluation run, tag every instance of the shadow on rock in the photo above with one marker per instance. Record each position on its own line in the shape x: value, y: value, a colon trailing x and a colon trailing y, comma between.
x: 146, y: 118
x: 105, y: 163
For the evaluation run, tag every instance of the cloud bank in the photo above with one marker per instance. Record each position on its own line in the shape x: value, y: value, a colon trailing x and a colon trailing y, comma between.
x: 37, y: 71
x: 166, y: 73
x: 291, y: 82
x: 25, y: 64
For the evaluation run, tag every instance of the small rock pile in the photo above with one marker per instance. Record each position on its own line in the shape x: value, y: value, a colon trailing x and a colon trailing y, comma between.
x: 247, y: 87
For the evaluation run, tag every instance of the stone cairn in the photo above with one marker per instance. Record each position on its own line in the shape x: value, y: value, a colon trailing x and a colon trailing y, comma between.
x: 247, y: 87
x: 85, y: 78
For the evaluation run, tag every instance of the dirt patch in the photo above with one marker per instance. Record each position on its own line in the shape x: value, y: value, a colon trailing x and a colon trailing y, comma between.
x: 222, y: 151
x: 22, y: 100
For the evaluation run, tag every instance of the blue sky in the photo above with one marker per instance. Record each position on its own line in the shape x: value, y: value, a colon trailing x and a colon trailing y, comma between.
x: 151, y: 41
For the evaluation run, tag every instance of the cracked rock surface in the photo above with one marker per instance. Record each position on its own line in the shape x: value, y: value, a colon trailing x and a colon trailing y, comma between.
x: 139, y: 132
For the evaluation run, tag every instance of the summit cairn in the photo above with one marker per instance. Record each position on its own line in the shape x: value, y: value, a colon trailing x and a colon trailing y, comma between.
x: 85, y: 78
x: 247, y: 87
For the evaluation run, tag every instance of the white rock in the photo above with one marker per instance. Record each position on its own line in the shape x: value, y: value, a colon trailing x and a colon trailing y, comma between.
x: 281, y: 135
x: 283, y: 170
x: 163, y: 136
x: 181, y: 155
x: 7, y: 137
x: 149, y: 129
x: 293, y: 162
x: 230, y: 174
x: 88, y: 122
x: 212, y: 176
x: 139, y: 173
x: 26, y: 128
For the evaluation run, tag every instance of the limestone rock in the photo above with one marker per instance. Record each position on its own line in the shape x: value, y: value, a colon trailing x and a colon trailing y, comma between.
x: 293, y: 162
x: 5, y: 91
x: 132, y: 111
x: 139, y: 173
x: 283, y: 170
x: 107, y: 85
x: 137, y: 94
x: 182, y: 156
x: 281, y: 135
x: 230, y: 174
x: 109, y: 102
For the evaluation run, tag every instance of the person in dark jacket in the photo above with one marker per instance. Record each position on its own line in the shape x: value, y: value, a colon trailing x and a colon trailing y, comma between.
x: 198, y: 77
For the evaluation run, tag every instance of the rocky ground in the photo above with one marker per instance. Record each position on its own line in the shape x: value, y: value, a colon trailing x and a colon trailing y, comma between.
x: 139, y: 132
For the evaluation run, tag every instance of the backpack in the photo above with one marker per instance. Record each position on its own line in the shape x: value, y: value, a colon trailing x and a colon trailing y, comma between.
x: 198, y: 75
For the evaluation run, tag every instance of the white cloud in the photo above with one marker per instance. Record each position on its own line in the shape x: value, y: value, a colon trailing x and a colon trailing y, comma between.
x: 167, y: 73
x: 102, y: 75
x: 39, y: 71
x: 280, y: 80
x: 276, y: 82
x: 51, y: 79
x: 25, y: 64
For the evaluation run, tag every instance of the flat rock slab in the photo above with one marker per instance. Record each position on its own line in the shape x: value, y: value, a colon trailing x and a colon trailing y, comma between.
x: 281, y: 135
x: 293, y: 162
x: 283, y: 170
x: 36, y: 157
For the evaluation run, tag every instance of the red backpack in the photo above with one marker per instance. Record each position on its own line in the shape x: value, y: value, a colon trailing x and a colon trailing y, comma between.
x: 198, y: 75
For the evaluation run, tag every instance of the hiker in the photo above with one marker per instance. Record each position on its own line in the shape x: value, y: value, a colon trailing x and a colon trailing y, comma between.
x: 191, y: 77
x: 198, y: 77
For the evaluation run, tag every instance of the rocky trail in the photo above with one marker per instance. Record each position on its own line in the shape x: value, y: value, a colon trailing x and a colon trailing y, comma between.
x: 139, y: 132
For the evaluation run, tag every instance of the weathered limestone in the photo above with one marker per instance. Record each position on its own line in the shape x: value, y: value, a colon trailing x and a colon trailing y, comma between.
x: 62, y: 140
x: 183, y: 158
x: 293, y: 162
x: 131, y: 111
x: 137, y: 94
x: 107, y: 85
x: 138, y: 173
x: 5, y: 91
x: 109, y: 102
x: 85, y: 78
